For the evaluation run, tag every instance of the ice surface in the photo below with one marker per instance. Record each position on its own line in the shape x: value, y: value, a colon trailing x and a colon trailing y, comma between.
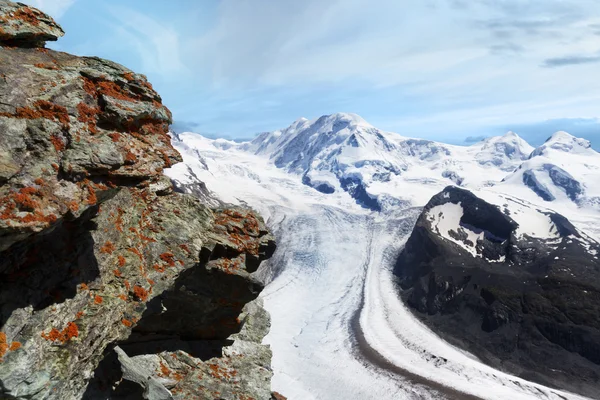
x: 339, y: 329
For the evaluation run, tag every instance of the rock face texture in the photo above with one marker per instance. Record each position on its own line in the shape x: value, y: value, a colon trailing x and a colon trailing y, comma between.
x: 525, y: 304
x: 101, y: 263
x: 26, y: 26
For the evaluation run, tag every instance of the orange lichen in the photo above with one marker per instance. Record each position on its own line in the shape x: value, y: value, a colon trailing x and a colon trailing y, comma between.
x: 87, y: 115
x: 127, y: 285
x: 24, y: 201
x: 126, y: 322
x: 115, y: 136
x: 185, y: 248
x: 39, y: 182
x: 91, y: 198
x: 140, y: 293
x: 122, y: 261
x: 119, y: 219
x: 45, y: 66
x: 98, y: 299
x: 90, y: 87
x: 44, y: 109
x: 70, y: 332
x: 73, y: 206
x: 159, y: 268
x: 27, y: 15
x: 58, y: 143
x: 128, y: 76
x: 118, y: 273
x: 136, y: 252
x: 3, y: 345
x: 108, y: 247
x: 79, y: 315
x: 112, y: 89
x: 130, y: 158
x: 83, y: 286
x: 15, y: 346
x: 165, y: 372
x: 221, y: 373
x: 169, y: 258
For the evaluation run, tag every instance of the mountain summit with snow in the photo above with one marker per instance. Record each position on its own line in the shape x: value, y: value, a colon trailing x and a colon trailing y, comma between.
x: 343, y: 152
x: 499, y: 255
x: 563, y: 169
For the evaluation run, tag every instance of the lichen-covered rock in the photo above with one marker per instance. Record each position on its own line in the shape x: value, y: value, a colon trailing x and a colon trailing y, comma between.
x: 202, y: 370
x: 25, y: 26
x: 98, y: 251
x: 64, y: 148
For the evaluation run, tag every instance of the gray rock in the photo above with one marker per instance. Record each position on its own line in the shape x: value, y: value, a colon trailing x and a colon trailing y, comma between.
x: 24, y: 26
x: 132, y: 371
x: 96, y: 248
x: 528, y: 305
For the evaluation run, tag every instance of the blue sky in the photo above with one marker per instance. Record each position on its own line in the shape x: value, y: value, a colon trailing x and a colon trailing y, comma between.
x: 439, y: 69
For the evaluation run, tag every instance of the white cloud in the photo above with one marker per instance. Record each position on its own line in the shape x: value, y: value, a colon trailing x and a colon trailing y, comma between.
x: 427, y: 63
x: 54, y: 8
x: 157, y: 43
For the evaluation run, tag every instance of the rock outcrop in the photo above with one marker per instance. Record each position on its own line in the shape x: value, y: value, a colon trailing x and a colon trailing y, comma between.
x: 101, y: 262
x: 24, y: 26
x: 521, y: 300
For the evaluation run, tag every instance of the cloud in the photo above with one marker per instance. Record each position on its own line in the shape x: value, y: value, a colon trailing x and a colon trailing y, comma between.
x: 157, y: 43
x: 475, y: 139
x: 185, y: 126
x: 447, y: 67
x: 570, y: 60
x: 54, y: 8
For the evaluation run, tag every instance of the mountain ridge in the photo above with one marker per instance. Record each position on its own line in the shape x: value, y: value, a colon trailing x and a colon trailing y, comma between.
x: 380, y: 169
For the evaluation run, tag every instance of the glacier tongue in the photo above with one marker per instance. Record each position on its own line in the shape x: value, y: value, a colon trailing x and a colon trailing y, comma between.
x: 339, y: 329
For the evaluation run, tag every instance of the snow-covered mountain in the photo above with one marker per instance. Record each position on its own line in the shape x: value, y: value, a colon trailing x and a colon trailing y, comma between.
x: 344, y: 152
x: 564, y: 169
x: 515, y: 284
x: 331, y: 293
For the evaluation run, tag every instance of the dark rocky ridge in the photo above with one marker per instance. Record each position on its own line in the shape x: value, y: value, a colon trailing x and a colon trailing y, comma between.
x: 536, y: 314
x: 96, y: 249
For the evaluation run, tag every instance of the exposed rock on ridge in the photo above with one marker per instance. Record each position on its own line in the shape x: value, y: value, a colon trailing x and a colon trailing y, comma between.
x: 522, y: 303
x: 96, y: 249
x: 25, y: 26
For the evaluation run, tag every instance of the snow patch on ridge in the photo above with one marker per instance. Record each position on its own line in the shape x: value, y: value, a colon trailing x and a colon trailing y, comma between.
x: 445, y: 220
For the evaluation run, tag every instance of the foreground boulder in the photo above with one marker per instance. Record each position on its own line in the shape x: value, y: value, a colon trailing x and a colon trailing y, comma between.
x: 517, y: 286
x: 100, y: 261
x: 25, y: 26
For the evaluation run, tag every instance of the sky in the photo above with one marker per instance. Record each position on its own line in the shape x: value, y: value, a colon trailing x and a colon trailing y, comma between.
x: 448, y: 70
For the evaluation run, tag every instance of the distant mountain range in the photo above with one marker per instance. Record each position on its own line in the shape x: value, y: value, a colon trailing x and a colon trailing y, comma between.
x: 502, y: 259
x: 343, y: 152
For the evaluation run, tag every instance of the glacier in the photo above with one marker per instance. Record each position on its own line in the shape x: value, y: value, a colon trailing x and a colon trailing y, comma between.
x: 339, y: 329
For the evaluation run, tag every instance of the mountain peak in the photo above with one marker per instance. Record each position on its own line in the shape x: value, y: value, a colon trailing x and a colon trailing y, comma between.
x: 564, y: 142
x: 350, y: 118
x: 561, y: 136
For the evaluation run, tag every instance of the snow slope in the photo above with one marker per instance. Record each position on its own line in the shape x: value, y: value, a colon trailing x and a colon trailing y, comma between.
x: 565, y: 170
x: 339, y: 329
x: 382, y: 170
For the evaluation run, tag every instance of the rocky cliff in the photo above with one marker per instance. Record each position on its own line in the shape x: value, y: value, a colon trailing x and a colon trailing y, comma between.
x: 112, y: 285
x: 516, y: 285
